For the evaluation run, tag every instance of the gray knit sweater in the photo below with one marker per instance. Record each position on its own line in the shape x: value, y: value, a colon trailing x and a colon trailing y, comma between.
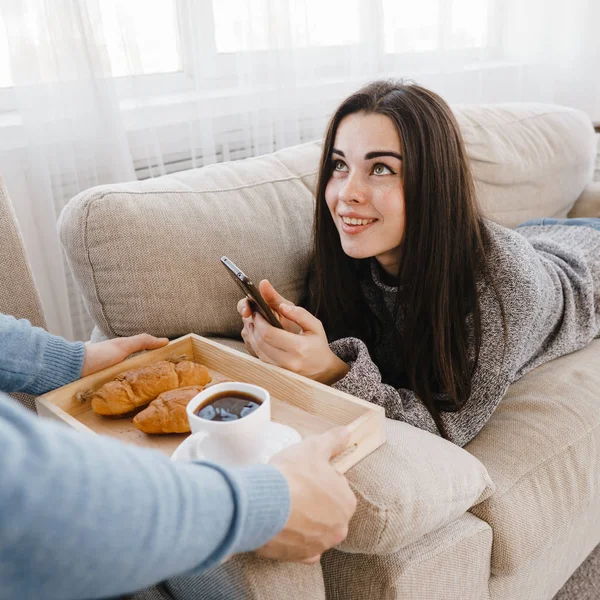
x: 549, y: 279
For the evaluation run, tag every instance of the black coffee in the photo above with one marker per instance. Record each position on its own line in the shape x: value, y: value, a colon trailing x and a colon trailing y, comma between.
x: 228, y: 406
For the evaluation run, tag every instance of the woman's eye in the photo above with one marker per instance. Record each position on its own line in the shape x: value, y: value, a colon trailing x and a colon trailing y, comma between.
x: 381, y: 169
x: 339, y: 165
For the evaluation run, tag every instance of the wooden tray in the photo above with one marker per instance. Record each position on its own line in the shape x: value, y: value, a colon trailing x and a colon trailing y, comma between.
x: 307, y: 406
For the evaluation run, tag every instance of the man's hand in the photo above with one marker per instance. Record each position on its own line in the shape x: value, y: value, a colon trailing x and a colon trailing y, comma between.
x: 106, y: 354
x: 322, y: 502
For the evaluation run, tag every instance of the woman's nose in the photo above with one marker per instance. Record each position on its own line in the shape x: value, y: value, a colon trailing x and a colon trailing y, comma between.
x: 354, y: 190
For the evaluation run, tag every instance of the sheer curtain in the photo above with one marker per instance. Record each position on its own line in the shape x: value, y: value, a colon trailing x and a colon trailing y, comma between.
x: 70, y: 136
x: 101, y: 91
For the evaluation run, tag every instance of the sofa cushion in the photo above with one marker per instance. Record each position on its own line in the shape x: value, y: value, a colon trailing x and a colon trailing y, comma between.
x: 588, y: 204
x: 146, y: 254
x: 528, y: 160
x: 542, y: 450
x: 413, y: 484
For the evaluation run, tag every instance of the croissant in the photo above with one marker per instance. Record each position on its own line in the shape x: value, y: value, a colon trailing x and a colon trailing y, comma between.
x: 167, y: 413
x: 138, y: 387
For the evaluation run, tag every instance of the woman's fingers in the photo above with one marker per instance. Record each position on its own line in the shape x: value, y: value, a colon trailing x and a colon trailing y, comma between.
x: 271, y: 296
x: 267, y: 335
x: 254, y: 342
x: 274, y: 299
x: 262, y: 350
x: 248, y: 344
x: 243, y: 307
x: 301, y: 317
x: 268, y: 353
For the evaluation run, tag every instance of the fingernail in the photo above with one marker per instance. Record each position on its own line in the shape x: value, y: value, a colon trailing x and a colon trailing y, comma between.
x: 284, y: 306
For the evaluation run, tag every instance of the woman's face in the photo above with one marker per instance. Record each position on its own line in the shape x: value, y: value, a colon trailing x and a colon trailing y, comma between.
x: 366, y: 185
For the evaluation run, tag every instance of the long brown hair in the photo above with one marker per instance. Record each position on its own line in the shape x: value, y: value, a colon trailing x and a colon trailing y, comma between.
x: 443, y: 250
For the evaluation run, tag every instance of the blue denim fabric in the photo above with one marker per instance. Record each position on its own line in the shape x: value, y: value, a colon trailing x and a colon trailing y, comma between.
x: 585, y: 222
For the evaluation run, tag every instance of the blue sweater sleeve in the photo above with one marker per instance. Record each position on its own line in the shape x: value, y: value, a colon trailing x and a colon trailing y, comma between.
x: 35, y: 361
x: 84, y: 516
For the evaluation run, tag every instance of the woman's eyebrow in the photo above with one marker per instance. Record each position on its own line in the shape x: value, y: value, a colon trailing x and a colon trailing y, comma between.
x: 370, y: 155
x: 376, y: 154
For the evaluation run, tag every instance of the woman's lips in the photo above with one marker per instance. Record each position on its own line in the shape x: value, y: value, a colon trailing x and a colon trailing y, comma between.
x: 355, y: 229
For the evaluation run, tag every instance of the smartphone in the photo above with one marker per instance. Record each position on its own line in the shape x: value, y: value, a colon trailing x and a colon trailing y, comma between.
x: 251, y: 292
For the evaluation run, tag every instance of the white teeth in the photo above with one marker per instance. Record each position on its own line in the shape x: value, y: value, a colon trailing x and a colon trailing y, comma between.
x: 352, y: 221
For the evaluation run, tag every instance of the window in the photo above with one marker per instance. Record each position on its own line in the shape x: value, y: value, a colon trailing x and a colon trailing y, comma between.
x: 179, y: 46
x: 243, y: 26
x: 139, y: 39
x: 153, y: 29
x: 5, y: 77
x: 433, y: 25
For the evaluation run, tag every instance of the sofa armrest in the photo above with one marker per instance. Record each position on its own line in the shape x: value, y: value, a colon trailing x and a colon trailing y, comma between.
x: 588, y: 204
x: 413, y: 484
x: 247, y: 577
x: 450, y: 563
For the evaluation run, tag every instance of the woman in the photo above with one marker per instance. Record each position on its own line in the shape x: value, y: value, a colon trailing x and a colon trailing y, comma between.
x: 421, y: 305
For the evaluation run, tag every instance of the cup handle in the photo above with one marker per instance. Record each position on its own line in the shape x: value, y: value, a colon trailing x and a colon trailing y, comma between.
x: 195, y: 440
x: 185, y: 451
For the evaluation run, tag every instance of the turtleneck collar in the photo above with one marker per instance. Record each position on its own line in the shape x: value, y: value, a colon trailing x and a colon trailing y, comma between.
x: 381, y: 278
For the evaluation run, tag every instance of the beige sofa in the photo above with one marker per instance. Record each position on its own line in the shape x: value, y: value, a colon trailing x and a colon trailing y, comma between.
x: 513, y: 514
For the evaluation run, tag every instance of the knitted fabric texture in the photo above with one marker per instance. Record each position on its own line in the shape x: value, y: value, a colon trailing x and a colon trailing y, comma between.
x: 549, y: 280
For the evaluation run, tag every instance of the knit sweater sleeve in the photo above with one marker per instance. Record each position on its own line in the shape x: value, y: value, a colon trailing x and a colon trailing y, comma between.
x: 35, y: 361
x: 364, y: 381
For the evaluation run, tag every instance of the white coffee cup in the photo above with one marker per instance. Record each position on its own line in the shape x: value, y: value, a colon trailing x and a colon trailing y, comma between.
x: 251, y: 439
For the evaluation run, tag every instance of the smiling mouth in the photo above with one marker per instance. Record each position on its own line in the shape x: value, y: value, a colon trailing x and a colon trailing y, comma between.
x: 357, y: 222
x: 351, y: 226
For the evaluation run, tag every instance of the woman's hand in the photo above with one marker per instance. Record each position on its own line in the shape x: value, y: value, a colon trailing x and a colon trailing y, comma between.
x: 106, y: 354
x: 274, y: 300
x: 300, y: 347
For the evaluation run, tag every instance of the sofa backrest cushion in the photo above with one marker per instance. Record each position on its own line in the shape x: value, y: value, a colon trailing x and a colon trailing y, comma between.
x: 146, y: 254
x: 528, y: 160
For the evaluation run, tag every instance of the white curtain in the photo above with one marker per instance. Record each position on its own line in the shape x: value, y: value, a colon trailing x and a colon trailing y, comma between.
x: 69, y: 137
x: 101, y: 91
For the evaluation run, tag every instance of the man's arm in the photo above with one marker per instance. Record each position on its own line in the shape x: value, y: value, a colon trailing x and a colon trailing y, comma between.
x: 83, y: 516
x: 35, y: 361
